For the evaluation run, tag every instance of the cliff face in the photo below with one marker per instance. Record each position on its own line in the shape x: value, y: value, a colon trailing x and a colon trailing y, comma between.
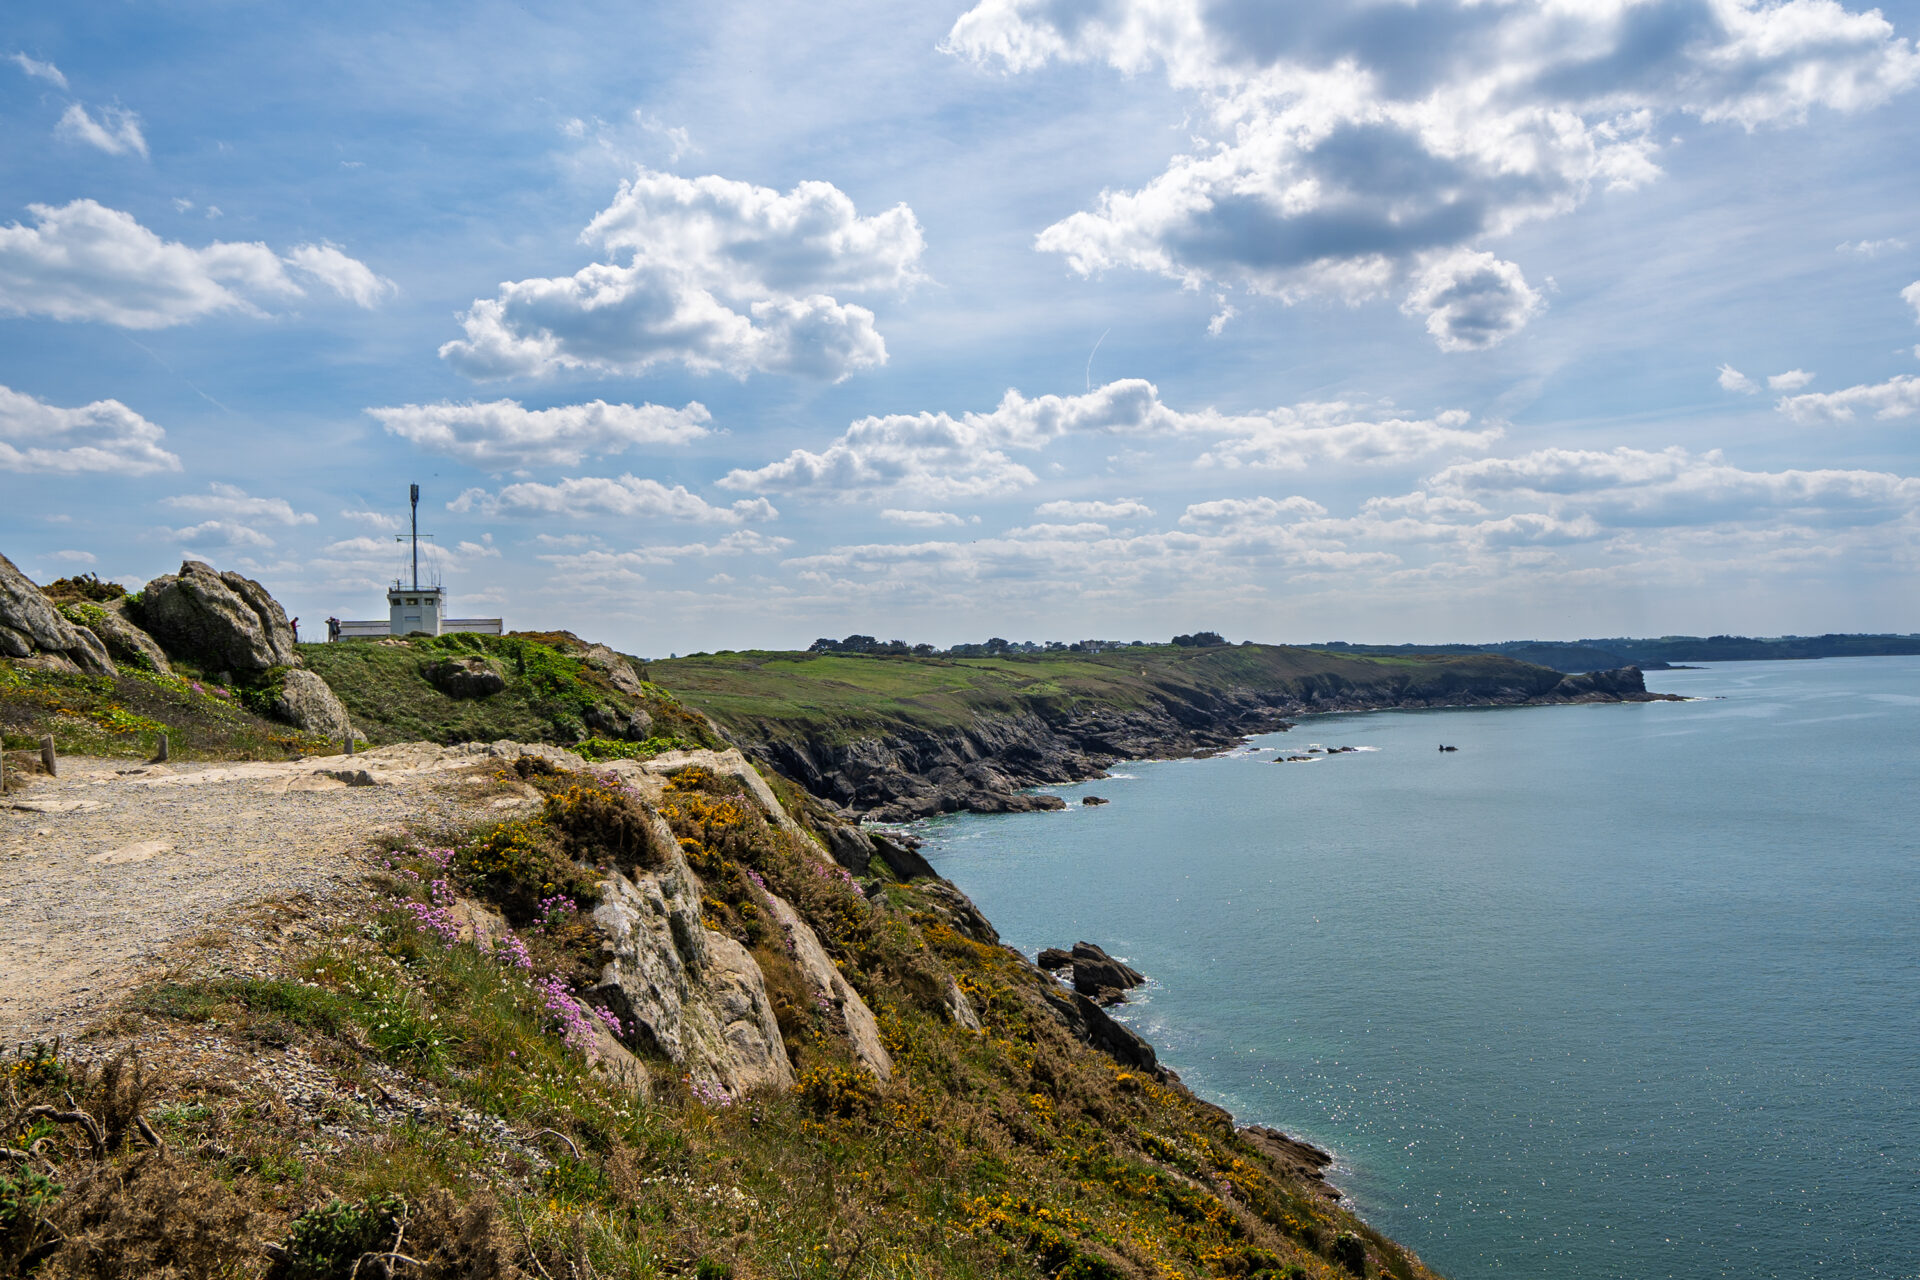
x: 985, y: 764
x: 616, y: 1014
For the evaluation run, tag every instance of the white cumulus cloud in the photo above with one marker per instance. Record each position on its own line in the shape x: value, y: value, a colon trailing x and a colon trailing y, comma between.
x: 1675, y: 488
x: 1871, y: 248
x: 1347, y: 144
x: 116, y: 132
x: 1791, y: 380
x: 1731, y: 379
x: 710, y: 273
x: 1472, y: 301
x: 1237, y: 511
x: 1125, y: 509
x: 348, y: 277
x: 625, y: 568
x: 625, y: 495
x: 83, y: 261
x: 1293, y: 437
x: 503, y: 433
x: 971, y: 455
x: 1898, y: 397
x: 921, y: 519
x: 102, y: 437
x: 228, y: 534
x: 235, y: 503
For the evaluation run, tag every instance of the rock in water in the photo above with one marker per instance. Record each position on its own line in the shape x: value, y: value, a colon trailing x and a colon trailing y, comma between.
x: 1095, y: 973
x: 1054, y: 958
x: 29, y: 624
x: 468, y: 677
x: 1303, y: 1160
x: 903, y: 858
x: 222, y: 621
x: 1088, y: 1023
x: 307, y: 703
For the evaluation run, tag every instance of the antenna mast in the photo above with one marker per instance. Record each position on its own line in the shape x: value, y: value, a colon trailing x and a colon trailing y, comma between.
x: 413, y: 494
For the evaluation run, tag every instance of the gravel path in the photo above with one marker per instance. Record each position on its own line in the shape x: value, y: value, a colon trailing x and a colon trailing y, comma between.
x: 109, y: 865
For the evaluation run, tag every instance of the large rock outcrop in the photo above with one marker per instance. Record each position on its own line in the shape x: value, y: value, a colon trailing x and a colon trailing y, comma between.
x: 832, y: 989
x: 1096, y: 974
x: 222, y: 621
x: 1091, y: 1025
x: 1620, y: 684
x: 464, y: 677
x: 617, y: 670
x: 306, y: 702
x: 31, y: 627
x: 126, y: 643
x: 685, y: 991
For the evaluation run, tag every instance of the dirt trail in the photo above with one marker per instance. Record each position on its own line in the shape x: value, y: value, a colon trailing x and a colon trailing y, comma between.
x: 106, y: 866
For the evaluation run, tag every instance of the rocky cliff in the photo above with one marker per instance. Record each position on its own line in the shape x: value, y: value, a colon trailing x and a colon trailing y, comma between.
x: 629, y: 1018
x: 985, y: 764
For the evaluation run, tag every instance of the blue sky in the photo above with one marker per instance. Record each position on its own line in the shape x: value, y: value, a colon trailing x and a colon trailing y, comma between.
x: 740, y: 324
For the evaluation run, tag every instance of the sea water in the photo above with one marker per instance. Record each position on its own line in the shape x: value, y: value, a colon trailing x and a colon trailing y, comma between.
x: 1611, y: 991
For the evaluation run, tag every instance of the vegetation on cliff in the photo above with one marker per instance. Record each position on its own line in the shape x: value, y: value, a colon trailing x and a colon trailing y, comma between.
x: 905, y: 736
x: 554, y: 688
x: 412, y: 1092
x: 836, y: 697
x: 123, y: 715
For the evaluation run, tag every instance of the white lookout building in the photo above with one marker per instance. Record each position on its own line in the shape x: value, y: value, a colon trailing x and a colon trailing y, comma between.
x: 415, y: 607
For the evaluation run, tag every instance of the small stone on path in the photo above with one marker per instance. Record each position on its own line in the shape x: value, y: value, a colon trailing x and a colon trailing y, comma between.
x: 137, y: 852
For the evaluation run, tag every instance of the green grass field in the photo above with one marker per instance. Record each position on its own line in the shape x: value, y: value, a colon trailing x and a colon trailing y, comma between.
x: 836, y: 697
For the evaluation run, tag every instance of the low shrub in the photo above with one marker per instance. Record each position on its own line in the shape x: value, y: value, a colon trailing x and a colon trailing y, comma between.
x: 85, y: 586
x: 328, y: 1241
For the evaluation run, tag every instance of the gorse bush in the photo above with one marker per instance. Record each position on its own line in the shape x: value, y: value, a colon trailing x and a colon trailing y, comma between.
x: 85, y: 586
x: 518, y: 865
x: 599, y: 821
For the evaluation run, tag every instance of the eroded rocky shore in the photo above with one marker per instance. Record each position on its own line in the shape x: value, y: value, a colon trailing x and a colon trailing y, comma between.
x: 989, y: 765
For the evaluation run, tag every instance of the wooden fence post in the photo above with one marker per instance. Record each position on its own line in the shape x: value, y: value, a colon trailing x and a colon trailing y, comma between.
x: 47, y: 758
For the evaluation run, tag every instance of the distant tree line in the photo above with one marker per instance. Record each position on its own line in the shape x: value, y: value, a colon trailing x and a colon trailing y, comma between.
x: 999, y: 646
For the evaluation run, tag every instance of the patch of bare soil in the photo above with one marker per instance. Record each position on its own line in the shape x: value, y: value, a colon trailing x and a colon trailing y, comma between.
x: 107, y: 866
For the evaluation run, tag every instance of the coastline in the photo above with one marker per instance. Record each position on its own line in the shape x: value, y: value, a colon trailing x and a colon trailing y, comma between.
x: 1474, y: 956
x: 993, y: 764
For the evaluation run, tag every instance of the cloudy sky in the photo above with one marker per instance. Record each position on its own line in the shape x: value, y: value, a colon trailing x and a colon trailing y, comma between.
x: 742, y: 323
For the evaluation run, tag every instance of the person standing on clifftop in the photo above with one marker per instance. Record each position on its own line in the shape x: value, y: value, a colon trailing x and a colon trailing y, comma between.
x: 296, y: 631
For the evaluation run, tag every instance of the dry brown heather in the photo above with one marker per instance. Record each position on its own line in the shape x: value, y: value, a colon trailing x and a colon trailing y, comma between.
x: 328, y: 1086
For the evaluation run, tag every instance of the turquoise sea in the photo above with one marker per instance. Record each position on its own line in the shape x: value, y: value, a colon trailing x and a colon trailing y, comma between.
x: 1612, y: 991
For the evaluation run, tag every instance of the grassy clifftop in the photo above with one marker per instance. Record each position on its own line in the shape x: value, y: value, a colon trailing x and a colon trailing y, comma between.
x: 839, y: 697
x: 550, y: 692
